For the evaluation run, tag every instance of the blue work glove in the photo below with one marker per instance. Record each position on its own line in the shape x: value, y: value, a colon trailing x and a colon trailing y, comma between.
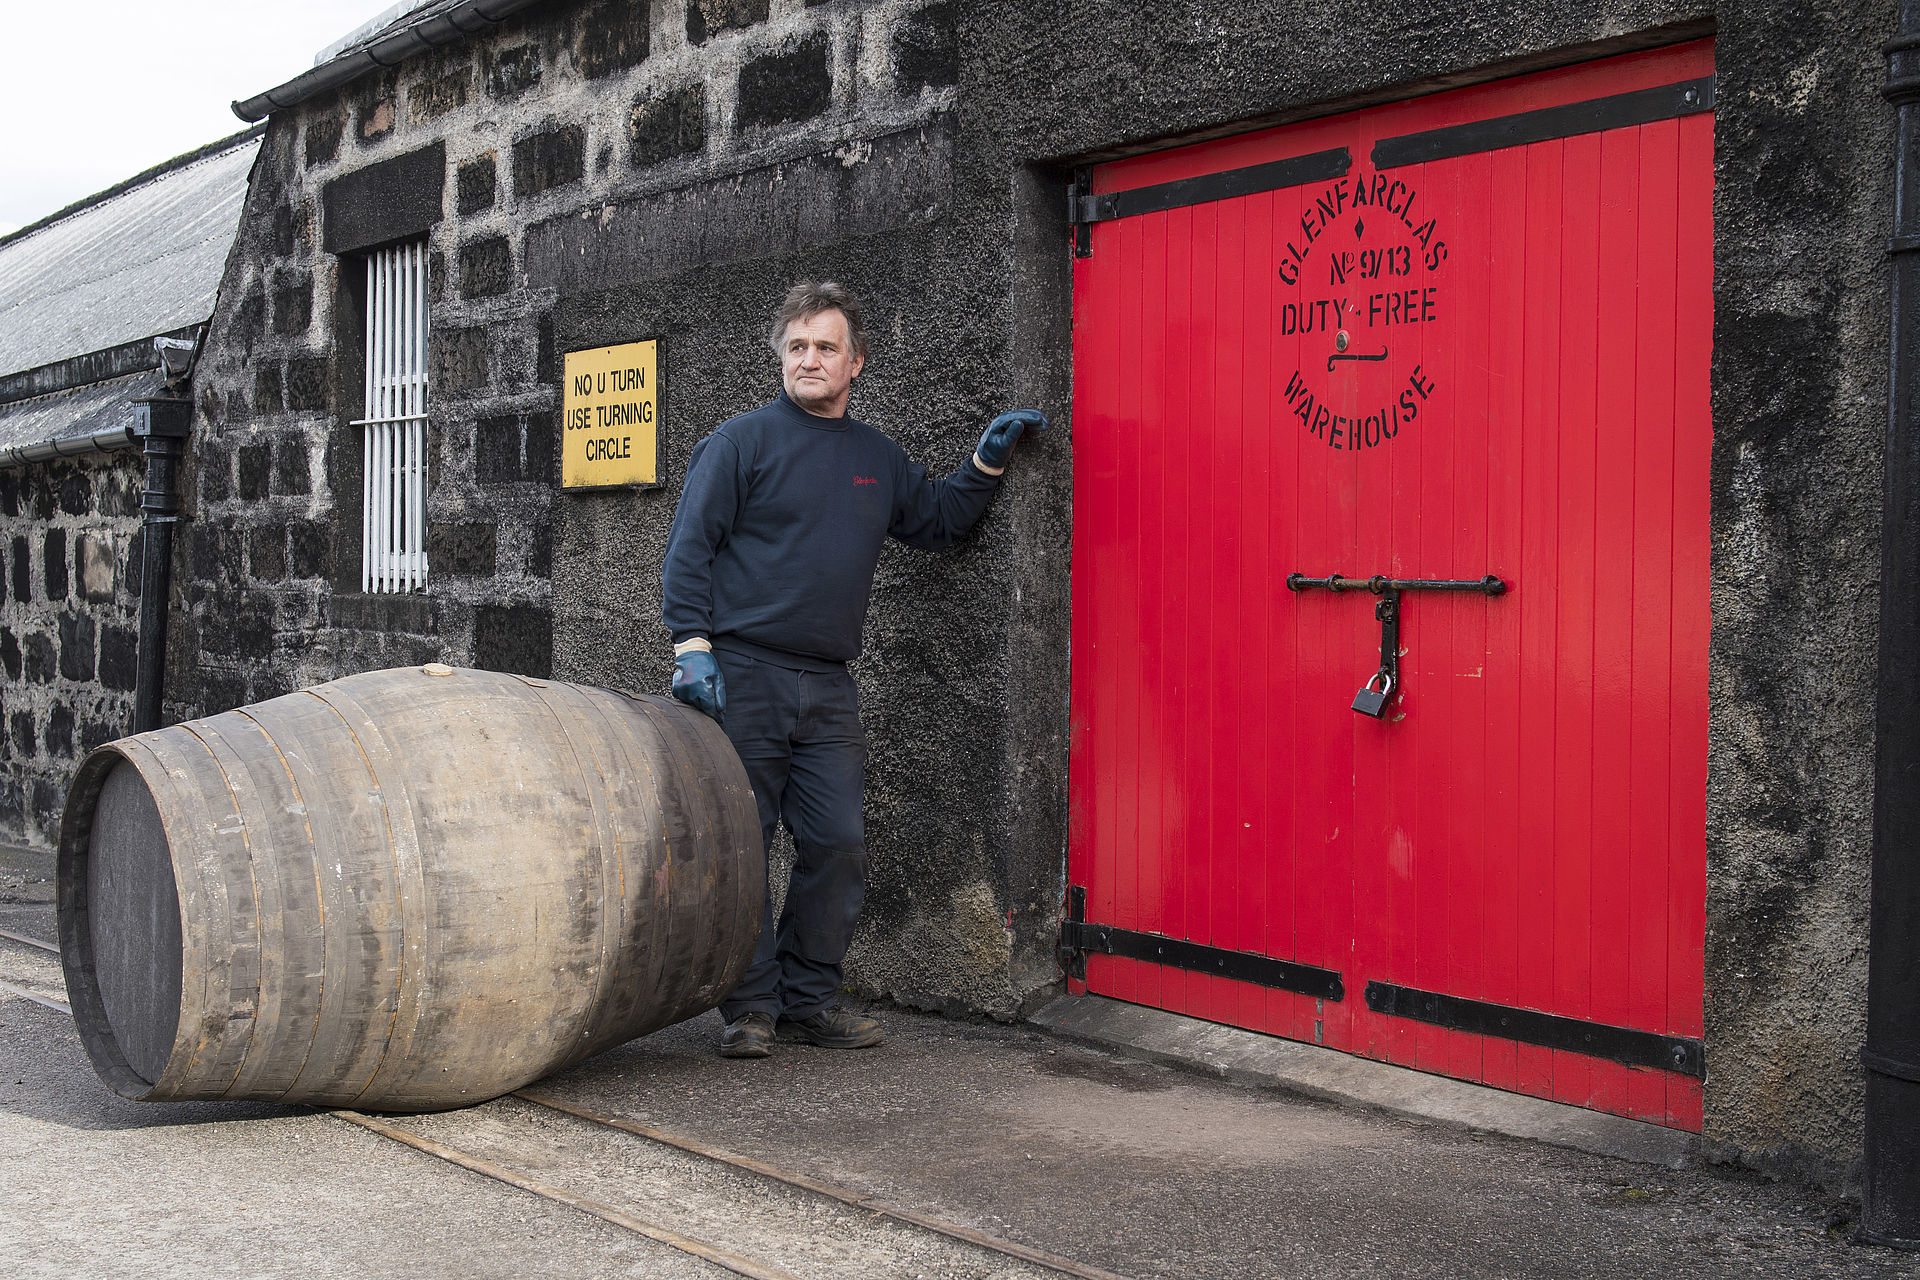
x: 697, y: 682
x: 996, y: 446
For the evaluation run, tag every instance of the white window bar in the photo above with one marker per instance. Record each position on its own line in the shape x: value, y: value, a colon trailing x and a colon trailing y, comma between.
x: 393, y: 496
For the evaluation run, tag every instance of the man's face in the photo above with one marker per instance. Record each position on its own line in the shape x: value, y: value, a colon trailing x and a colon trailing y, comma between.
x: 817, y: 363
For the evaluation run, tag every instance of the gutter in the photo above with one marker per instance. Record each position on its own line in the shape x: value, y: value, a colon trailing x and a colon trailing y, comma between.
x: 450, y: 27
x: 111, y: 440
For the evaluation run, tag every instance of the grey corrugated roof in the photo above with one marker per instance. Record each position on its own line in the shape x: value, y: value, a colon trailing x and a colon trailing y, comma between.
x: 74, y: 415
x: 142, y: 261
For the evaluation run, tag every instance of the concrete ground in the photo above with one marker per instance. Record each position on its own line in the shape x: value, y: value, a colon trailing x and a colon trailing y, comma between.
x: 1137, y: 1167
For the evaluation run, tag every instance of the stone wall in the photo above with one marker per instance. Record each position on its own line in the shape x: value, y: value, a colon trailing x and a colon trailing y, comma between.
x: 69, y: 627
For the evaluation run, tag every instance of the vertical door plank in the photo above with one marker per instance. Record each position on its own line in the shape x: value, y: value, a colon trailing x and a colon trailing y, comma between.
x: 1613, y: 692
x: 1649, y: 756
x: 1537, y: 599
x: 1574, y: 579
x: 1506, y: 468
x: 1478, y: 348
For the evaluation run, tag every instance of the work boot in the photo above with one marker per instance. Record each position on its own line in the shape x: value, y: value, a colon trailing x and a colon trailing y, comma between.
x: 748, y: 1036
x: 834, y: 1028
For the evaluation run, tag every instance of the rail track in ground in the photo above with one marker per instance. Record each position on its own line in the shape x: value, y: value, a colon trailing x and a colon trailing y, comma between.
x: 851, y: 1213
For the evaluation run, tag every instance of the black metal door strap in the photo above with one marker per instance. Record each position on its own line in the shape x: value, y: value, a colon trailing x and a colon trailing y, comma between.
x: 1078, y: 939
x: 1569, y: 120
x: 1548, y: 1030
x: 1371, y: 701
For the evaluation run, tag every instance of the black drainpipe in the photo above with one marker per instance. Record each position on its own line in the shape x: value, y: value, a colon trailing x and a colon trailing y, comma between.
x: 162, y: 423
x: 1891, y: 1211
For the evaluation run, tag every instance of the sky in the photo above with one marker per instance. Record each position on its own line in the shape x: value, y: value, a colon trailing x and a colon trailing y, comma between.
x: 94, y: 91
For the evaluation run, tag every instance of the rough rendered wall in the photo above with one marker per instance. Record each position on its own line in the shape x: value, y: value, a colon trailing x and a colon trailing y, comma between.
x: 1802, y: 212
x: 69, y: 628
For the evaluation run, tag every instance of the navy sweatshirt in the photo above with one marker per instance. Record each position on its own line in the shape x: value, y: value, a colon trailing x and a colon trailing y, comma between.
x: 774, y: 544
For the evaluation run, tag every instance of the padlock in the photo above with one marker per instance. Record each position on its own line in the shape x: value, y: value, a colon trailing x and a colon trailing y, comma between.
x: 1373, y: 702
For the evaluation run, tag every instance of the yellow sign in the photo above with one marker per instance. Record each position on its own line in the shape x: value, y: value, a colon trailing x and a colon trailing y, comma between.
x: 610, y: 418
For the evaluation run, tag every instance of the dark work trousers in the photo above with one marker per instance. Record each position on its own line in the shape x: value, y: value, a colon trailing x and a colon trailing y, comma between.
x: 799, y: 734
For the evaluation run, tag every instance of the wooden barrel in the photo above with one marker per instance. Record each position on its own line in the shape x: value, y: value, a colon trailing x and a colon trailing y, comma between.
x: 406, y: 890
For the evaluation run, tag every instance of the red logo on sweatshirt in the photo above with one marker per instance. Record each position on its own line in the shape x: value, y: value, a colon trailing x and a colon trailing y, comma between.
x: 866, y: 480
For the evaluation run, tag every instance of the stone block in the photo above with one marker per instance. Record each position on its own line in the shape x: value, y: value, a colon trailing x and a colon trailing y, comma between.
x: 22, y: 570
x: 311, y: 549
x: 540, y: 553
x: 256, y: 470
x: 267, y: 552
x: 269, y: 395
x: 516, y: 638
x: 78, y: 633
x: 307, y: 380
x: 216, y: 553
x: 22, y: 732
x: 462, y: 550
x: 461, y: 359
x: 250, y: 319
x: 283, y: 231
x: 513, y: 71
x: 44, y: 500
x: 221, y: 691
x: 496, y: 450
x: 10, y: 653
x: 406, y: 614
x: 49, y: 803
x: 476, y: 184
x: 119, y: 657
x: 486, y: 267
x: 98, y: 567
x: 432, y: 98
x: 76, y: 494
x: 94, y: 733
x: 668, y: 125
x: 782, y: 88
x: 540, y: 463
x: 241, y: 630
x: 120, y: 493
x: 293, y: 306
x: 134, y: 570
x: 546, y: 352
x: 706, y: 18
x: 60, y: 727
x: 551, y: 159
x: 292, y: 468
x: 323, y: 139
x: 43, y: 660
x: 926, y: 49
x: 10, y: 492
x: 376, y: 118
x: 53, y: 561
x: 613, y: 37
x: 215, y: 475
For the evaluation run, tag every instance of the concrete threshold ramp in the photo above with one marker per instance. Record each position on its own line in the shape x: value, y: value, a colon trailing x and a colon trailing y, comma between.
x: 1247, y: 1057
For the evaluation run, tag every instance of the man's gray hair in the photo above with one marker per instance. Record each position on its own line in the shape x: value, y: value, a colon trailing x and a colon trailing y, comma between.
x: 809, y: 299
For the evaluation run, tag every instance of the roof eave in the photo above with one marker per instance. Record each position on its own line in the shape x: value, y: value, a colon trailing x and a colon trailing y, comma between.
x: 451, y: 27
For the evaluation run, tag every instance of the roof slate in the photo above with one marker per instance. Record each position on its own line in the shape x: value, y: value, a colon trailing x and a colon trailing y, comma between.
x: 144, y: 261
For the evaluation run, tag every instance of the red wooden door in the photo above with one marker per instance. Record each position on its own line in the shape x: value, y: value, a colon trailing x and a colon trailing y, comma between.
x: 1460, y: 335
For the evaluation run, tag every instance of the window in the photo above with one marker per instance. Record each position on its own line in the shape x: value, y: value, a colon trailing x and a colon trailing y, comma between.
x: 393, y: 509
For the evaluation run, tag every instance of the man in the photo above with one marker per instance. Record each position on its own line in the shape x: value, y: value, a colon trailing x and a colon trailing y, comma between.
x: 766, y: 580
